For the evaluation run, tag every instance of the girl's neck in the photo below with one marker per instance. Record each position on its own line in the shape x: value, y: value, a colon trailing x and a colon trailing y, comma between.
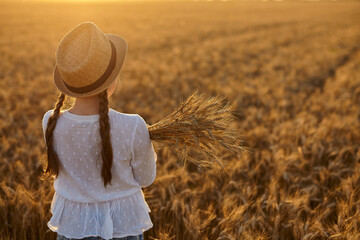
x: 86, y: 106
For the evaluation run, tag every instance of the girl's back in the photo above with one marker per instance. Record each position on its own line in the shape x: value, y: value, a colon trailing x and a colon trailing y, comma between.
x: 82, y: 206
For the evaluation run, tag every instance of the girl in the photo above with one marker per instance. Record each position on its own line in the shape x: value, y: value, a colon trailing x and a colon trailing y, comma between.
x: 100, y: 158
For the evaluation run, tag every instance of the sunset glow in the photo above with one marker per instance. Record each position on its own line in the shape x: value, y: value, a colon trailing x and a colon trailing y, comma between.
x: 80, y: 1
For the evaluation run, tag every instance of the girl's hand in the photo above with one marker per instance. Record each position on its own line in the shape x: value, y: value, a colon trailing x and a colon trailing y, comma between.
x: 147, y: 125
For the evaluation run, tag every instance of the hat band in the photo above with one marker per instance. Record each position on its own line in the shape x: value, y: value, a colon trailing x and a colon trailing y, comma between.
x: 102, y: 79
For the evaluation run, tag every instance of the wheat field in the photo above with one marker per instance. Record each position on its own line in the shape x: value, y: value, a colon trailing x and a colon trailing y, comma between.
x: 291, y: 69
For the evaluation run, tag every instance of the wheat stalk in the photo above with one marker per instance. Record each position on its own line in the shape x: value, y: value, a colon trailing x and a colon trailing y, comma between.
x: 201, y: 125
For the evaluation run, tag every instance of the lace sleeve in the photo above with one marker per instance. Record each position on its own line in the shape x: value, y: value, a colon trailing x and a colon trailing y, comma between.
x: 144, y: 158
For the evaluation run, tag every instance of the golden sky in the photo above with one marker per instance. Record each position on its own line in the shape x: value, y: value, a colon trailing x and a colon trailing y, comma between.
x: 67, y: 0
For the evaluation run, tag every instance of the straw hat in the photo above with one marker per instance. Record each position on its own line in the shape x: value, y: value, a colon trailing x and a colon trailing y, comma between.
x: 88, y: 60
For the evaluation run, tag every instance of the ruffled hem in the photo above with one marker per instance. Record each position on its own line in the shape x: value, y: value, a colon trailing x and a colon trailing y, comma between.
x: 127, y: 216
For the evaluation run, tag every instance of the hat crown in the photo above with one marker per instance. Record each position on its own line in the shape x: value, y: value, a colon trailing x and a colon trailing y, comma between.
x: 83, y: 55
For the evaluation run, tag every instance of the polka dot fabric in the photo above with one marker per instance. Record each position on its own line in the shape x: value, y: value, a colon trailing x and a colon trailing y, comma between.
x: 81, y: 205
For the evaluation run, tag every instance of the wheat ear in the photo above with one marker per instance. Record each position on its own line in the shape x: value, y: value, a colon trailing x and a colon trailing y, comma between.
x: 200, y: 124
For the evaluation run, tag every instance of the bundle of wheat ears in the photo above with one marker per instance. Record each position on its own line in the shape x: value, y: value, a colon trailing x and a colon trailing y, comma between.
x: 202, y: 125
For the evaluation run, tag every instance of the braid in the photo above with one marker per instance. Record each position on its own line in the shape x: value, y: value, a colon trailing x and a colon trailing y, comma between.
x: 52, y: 158
x: 106, y: 151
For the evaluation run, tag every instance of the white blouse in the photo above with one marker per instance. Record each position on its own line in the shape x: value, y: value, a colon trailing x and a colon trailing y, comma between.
x: 81, y: 205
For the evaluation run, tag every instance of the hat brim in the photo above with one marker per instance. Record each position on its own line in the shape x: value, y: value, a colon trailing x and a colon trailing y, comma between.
x: 121, y: 51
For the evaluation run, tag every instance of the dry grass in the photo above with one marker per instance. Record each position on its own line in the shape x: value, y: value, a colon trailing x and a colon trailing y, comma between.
x: 290, y: 71
x: 202, y: 125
